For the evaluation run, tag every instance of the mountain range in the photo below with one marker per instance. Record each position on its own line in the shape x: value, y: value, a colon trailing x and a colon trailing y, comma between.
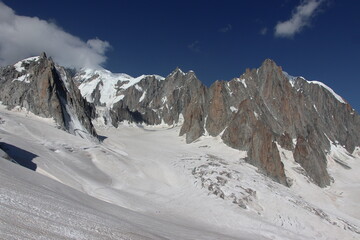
x: 265, y: 113
x: 256, y: 112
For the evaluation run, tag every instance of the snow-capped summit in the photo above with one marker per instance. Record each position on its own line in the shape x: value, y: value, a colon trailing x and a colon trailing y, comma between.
x: 46, y: 89
x: 293, y: 80
x: 103, y: 87
x: 19, y: 66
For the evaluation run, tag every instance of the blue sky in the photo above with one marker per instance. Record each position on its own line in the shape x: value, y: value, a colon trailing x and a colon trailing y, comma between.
x: 317, y: 39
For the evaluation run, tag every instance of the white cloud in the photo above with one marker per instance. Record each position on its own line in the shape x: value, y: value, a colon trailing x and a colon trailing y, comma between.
x: 301, y: 18
x: 98, y: 45
x: 23, y: 37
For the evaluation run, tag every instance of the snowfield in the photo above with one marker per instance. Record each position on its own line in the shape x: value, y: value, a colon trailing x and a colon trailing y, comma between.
x: 145, y: 182
x: 109, y: 84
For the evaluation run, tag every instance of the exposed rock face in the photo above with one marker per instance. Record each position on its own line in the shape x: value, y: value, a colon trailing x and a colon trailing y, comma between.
x: 312, y: 159
x: 262, y: 109
x: 253, y: 113
x: 219, y: 112
x: 247, y: 132
x: 47, y: 90
x: 180, y: 98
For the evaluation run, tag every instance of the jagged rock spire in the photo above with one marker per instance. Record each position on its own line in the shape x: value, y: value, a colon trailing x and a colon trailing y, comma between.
x: 41, y: 89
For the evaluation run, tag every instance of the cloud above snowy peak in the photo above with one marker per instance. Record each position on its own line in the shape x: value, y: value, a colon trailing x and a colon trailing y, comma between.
x: 301, y: 17
x: 23, y: 37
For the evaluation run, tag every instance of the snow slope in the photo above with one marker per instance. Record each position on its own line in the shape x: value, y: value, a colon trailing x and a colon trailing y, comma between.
x: 109, y: 82
x: 36, y: 207
x: 146, y: 183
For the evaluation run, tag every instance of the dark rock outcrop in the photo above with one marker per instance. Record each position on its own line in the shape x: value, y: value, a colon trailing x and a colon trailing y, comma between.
x: 47, y: 90
x: 180, y: 97
x: 219, y: 111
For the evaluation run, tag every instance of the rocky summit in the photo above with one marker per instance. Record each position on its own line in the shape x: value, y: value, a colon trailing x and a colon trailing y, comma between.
x: 259, y: 112
x: 45, y: 89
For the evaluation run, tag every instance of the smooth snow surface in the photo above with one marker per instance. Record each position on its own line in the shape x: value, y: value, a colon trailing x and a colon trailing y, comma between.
x: 147, y: 183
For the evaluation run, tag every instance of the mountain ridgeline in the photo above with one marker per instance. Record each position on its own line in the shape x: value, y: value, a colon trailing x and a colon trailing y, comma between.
x: 47, y: 90
x: 260, y: 111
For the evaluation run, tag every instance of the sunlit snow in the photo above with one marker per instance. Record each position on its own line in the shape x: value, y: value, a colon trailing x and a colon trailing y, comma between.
x: 18, y: 66
x: 111, y: 84
x: 292, y: 80
x: 147, y: 183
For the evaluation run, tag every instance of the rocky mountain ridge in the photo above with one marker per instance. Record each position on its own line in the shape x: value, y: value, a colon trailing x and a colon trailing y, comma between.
x: 259, y: 112
x: 46, y: 89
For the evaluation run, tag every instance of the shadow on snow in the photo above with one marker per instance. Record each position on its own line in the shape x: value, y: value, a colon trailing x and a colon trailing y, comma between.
x: 20, y: 156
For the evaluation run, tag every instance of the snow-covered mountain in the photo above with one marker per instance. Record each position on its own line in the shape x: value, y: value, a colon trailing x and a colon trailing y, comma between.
x: 147, y: 183
x: 104, y: 88
x: 143, y: 181
x: 261, y: 110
